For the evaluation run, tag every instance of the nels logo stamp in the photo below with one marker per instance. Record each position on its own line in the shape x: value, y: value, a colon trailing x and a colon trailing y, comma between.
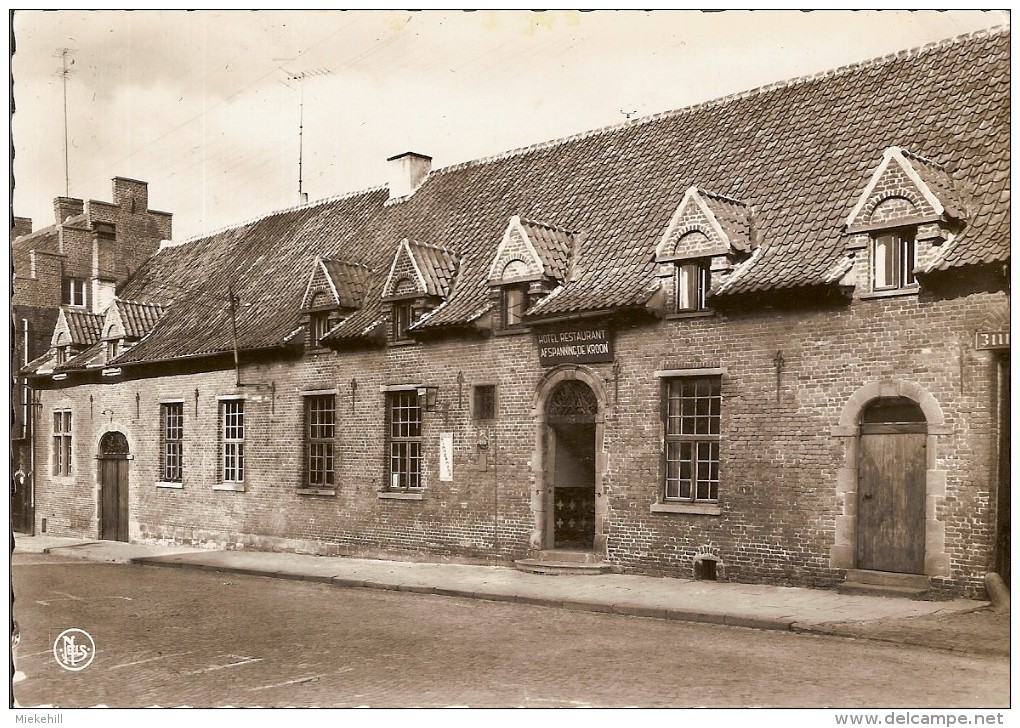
x: 74, y: 649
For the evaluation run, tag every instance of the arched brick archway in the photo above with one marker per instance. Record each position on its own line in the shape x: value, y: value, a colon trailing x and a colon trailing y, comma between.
x: 843, y: 553
x: 542, y: 496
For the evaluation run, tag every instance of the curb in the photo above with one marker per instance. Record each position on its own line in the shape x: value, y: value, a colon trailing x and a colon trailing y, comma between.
x: 624, y: 609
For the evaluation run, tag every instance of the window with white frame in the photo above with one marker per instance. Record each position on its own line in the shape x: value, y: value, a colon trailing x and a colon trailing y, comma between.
x: 402, y: 313
x: 73, y: 292
x: 514, y: 304
x: 171, y: 416
x: 320, y: 444
x: 404, y: 440
x: 893, y: 258
x: 320, y: 326
x: 232, y: 434
x: 693, y: 407
x: 691, y: 286
x: 61, y: 442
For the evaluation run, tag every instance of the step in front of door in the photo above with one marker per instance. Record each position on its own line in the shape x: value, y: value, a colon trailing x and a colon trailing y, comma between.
x: 543, y: 566
x: 884, y: 584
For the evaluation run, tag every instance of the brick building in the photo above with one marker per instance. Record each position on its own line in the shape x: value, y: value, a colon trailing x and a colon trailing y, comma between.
x: 763, y: 339
x: 70, y: 269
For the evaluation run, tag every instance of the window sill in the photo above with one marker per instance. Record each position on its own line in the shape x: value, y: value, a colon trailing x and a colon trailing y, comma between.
x: 398, y: 495
x: 316, y: 491
x: 689, y: 315
x: 892, y: 293
x: 403, y: 342
x: 236, y: 487
x: 169, y: 484
x: 512, y: 331
x: 701, y: 509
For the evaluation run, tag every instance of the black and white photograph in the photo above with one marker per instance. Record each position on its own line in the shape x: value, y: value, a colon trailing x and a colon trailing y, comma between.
x: 501, y: 359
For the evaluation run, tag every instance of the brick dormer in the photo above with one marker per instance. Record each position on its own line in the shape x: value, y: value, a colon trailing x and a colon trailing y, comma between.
x: 420, y: 278
x: 706, y: 237
x: 335, y: 289
x: 531, y: 260
x: 75, y: 331
x: 909, y: 207
x: 125, y: 323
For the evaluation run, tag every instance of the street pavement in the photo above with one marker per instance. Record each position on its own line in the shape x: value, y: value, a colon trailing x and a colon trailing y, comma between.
x: 962, y: 624
x: 183, y: 636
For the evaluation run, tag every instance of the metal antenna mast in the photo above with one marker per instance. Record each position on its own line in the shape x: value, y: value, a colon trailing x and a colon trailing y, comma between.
x: 64, y: 54
x: 300, y: 78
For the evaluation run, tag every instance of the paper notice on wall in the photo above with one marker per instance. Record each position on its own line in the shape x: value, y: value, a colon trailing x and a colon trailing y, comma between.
x: 446, y: 456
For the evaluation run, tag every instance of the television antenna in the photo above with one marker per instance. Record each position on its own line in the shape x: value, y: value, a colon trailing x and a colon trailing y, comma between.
x: 300, y: 78
x: 64, y: 54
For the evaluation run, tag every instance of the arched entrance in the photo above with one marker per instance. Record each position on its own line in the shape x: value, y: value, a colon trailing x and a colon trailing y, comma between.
x: 570, y: 419
x: 891, y: 489
x: 113, y: 480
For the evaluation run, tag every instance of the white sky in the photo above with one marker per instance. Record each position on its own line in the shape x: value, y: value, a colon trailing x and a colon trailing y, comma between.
x: 196, y: 104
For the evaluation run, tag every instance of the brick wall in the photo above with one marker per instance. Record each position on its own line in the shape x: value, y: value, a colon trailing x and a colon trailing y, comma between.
x: 778, y: 493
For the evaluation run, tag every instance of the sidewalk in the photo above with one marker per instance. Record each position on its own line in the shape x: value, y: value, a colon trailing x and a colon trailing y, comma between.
x: 743, y: 605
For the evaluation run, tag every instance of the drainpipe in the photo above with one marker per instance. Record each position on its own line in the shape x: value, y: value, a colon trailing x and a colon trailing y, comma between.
x: 495, y: 493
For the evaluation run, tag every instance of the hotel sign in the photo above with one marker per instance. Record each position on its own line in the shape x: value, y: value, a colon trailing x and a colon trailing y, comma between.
x: 574, y: 345
x: 991, y: 340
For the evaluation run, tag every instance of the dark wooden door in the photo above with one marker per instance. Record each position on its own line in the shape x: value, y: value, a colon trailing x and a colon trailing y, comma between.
x: 891, y: 495
x: 114, y: 514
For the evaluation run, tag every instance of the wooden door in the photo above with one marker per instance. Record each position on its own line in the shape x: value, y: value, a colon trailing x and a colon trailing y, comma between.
x: 891, y: 496
x: 113, y: 479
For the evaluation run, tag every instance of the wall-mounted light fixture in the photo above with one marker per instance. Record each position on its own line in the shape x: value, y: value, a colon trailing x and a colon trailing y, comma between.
x: 428, y: 396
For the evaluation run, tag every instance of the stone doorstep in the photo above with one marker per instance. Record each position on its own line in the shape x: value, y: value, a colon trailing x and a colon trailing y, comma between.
x: 887, y: 578
x: 884, y: 584
x: 552, y: 568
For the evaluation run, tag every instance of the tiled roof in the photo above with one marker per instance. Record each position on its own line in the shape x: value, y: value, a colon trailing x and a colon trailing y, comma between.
x: 553, y: 245
x: 350, y: 280
x: 734, y: 218
x: 437, y: 265
x: 93, y: 356
x: 138, y: 318
x: 940, y: 182
x: 84, y: 327
x: 797, y: 153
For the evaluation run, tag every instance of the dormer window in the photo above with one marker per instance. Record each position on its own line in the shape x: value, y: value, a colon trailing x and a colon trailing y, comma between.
x: 692, y: 281
x: 420, y: 281
x: 112, y: 350
x: 73, y: 292
x: 320, y: 326
x: 514, y: 300
x: 62, y: 352
x: 402, y: 312
x: 893, y: 257
x: 708, y: 233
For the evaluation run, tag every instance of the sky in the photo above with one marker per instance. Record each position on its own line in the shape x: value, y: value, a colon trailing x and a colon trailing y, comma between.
x: 206, y: 106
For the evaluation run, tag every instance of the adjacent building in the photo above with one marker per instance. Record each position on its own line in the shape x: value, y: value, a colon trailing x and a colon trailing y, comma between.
x: 765, y: 338
x: 70, y: 270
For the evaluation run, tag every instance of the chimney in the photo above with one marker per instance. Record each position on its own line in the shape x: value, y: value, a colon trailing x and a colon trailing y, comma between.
x: 21, y: 226
x: 131, y: 195
x: 65, y: 207
x: 407, y: 171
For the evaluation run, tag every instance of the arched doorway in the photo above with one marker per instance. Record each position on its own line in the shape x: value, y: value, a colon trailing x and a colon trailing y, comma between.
x: 570, y: 466
x: 891, y: 489
x: 113, y: 480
